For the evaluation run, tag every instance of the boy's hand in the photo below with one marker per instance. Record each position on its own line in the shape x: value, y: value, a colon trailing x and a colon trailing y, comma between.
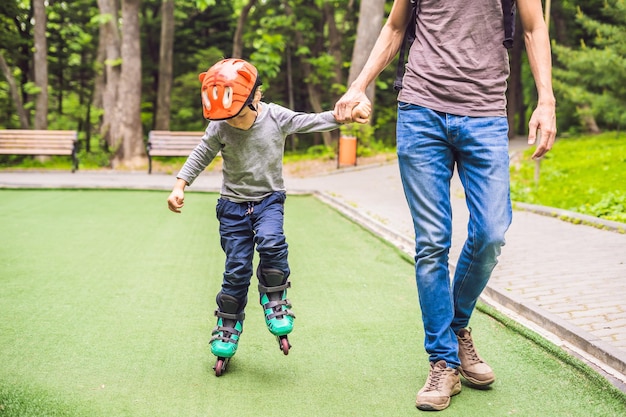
x: 176, y: 200
x: 361, y: 112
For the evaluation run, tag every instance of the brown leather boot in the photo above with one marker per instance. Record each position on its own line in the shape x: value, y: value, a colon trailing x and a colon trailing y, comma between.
x: 441, y: 384
x: 473, y: 367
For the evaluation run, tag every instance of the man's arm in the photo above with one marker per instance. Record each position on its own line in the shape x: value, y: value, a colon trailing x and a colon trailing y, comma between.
x: 384, y: 50
x: 537, y: 42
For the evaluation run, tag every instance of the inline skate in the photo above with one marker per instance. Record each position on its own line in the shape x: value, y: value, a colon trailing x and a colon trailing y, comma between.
x: 277, y: 308
x: 225, y: 335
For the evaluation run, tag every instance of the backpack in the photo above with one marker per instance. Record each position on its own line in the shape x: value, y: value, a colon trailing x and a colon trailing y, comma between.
x: 508, y: 19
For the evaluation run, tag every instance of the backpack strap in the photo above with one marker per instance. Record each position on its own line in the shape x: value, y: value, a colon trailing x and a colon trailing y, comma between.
x: 409, y: 37
x: 508, y: 19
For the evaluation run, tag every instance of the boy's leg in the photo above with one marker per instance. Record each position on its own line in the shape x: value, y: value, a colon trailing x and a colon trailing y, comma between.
x: 236, y: 237
x: 273, y: 270
x: 225, y: 335
x: 237, y: 240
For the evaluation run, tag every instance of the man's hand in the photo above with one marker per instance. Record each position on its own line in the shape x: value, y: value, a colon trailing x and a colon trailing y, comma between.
x: 543, y: 125
x: 352, y: 106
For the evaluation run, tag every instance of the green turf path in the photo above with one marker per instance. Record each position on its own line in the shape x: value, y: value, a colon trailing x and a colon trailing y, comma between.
x: 106, y: 302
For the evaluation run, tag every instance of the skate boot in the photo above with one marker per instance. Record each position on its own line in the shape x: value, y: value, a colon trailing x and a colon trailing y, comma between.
x: 273, y: 297
x: 226, y: 333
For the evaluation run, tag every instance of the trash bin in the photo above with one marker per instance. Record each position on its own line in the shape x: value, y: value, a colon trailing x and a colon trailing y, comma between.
x: 346, y: 154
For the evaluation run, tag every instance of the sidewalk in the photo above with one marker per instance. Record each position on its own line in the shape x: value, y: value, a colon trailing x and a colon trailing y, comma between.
x: 566, y: 282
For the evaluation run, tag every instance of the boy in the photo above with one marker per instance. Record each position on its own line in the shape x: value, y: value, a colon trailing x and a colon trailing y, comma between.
x: 250, y: 135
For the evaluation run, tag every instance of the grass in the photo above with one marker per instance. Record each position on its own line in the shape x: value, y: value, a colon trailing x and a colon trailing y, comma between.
x: 106, y: 310
x: 584, y: 174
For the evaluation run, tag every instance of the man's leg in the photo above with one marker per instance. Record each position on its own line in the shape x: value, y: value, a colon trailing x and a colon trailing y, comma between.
x: 426, y: 166
x: 483, y: 165
x: 426, y: 163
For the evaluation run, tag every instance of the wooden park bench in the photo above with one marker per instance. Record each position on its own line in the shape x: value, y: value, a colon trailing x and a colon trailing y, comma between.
x: 166, y: 143
x: 40, y: 142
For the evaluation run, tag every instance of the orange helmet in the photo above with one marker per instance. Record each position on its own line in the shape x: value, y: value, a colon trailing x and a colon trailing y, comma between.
x: 227, y: 87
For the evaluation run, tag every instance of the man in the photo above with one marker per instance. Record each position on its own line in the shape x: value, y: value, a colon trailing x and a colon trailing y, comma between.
x: 452, y: 111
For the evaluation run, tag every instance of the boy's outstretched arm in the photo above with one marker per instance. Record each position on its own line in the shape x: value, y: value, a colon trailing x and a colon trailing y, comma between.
x: 176, y: 199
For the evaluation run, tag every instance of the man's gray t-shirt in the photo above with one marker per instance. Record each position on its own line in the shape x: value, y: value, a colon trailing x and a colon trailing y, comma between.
x: 457, y: 63
x: 253, y: 159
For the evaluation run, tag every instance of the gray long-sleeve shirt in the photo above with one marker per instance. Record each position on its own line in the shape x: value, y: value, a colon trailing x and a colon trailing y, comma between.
x: 253, y: 159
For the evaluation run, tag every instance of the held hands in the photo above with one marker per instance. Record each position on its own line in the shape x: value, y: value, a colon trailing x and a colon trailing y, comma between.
x: 354, y: 106
x: 361, y: 112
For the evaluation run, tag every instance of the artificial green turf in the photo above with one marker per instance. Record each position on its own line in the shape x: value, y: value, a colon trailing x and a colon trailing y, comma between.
x: 106, y: 302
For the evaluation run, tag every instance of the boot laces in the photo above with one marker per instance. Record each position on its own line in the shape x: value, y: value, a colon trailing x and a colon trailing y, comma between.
x: 435, y: 379
x: 469, y: 349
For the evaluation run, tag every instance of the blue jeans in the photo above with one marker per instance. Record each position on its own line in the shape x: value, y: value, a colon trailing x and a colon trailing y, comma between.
x: 244, y: 226
x: 429, y: 144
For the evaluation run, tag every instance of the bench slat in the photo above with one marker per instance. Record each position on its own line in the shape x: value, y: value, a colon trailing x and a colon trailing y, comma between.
x: 40, y: 142
x: 35, y: 151
x: 169, y: 153
x: 168, y: 143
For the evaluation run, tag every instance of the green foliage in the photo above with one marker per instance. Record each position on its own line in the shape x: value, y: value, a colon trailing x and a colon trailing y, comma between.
x: 590, y: 79
x: 321, y: 151
x: 186, y: 106
x: 612, y: 206
x: 585, y: 174
x: 267, y: 57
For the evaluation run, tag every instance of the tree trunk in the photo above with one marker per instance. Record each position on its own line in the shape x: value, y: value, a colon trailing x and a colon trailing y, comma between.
x: 587, y: 119
x: 41, y: 64
x: 99, y: 81
x: 109, y: 31
x: 370, y: 23
x: 238, y: 37
x: 313, y: 93
x: 131, y: 153
x: 164, y: 92
x: 335, y: 41
x: 15, y: 94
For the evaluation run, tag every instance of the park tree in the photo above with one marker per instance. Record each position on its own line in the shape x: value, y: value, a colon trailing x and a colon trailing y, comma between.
x: 369, y: 26
x: 40, y: 63
x: 590, y: 71
x: 111, y: 72
x: 166, y: 64
x: 131, y: 149
x: 242, y: 20
x: 15, y: 55
x: 110, y: 45
x: 121, y: 125
x: 14, y: 92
